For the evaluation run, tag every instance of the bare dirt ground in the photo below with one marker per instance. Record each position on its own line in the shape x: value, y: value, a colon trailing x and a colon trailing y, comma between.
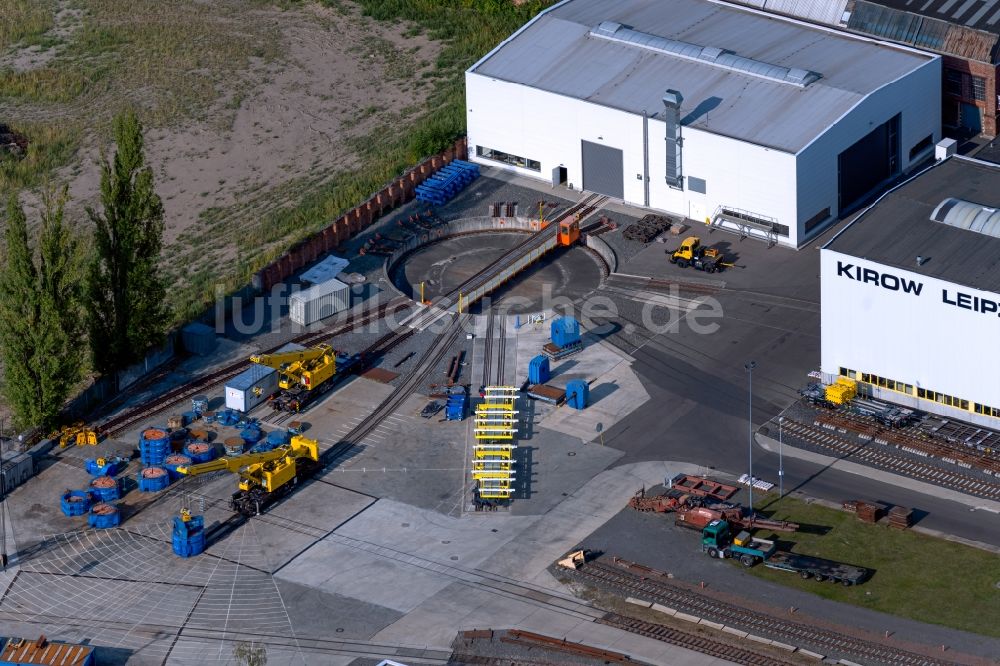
x: 273, y: 119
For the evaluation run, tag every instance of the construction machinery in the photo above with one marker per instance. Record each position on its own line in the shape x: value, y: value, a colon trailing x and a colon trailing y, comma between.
x: 718, y: 541
x: 265, y: 476
x: 303, y: 374
x: 693, y: 253
x: 77, y: 434
x: 573, y: 560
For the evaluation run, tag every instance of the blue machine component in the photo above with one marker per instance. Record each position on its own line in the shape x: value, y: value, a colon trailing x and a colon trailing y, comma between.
x: 110, y: 467
x: 104, y: 516
x: 228, y: 417
x: 565, y: 332
x: 199, y: 404
x: 538, y: 370
x: 577, y: 393
x: 200, y: 452
x: 251, y: 434
x: 105, y: 489
x: 154, y: 445
x: 75, y: 502
x: 447, y: 182
x: 455, y: 407
x: 189, y: 535
x: 189, y: 417
x: 153, y: 479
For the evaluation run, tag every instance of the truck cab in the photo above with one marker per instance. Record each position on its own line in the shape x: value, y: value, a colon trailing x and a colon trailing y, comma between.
x: 717, y: 541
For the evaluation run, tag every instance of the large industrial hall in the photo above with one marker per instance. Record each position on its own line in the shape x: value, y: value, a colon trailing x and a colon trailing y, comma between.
x: 721, y: 114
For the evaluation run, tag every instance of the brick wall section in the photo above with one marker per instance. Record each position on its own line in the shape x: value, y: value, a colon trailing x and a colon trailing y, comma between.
x: 348, y: 225
x: 988, y: 106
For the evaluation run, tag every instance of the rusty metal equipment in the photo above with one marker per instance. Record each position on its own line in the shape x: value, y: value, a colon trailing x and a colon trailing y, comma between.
x: 695, y: 512
x: 703, y: 487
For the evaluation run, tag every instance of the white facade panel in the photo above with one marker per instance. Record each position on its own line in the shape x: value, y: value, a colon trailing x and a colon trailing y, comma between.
x: 920, y: 117
x: 548, y: 128
x: 911, y: 328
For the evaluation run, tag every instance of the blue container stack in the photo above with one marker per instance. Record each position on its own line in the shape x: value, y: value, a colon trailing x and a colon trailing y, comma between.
x: 454, y: 408
x: 189, y: 536
x: 577, y: 393
x: 538, y: 370
x: 75, y: 502
x: 200, y: 452
x: 104, y: 516
x: 173, y: 461
x: 565, y: 332
x: 105, y: 489
x: 154, y: 445
x: 153, y: 479
x: 447, y: 182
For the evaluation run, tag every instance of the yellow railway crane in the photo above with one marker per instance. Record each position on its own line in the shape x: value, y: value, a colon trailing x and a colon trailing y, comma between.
x: 266, y: 476
x: 301, y: 374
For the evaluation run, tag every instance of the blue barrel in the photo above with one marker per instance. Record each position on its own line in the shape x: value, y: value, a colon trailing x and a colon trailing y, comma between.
x: 104, y: 516
x: 538, y: 370
x: 565, y: 331
x: 173, y: 461
x: 153, y: 479
x: 577, y: 393
x: 154, y: 445
x: 75, y: 502
x: 199, y: 404
x: 190, y: 417
x: 200, y: 452
x: 189, y: 536
x: 251, y: 435
x: 105, y: 489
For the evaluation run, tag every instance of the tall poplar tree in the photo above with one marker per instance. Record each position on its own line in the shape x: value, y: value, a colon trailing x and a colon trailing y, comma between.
x: 125, y: 294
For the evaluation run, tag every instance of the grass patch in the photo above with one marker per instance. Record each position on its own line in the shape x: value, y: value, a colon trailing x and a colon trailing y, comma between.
x: 24, y: 21
x: 49, y: 148
x: 916, y: 576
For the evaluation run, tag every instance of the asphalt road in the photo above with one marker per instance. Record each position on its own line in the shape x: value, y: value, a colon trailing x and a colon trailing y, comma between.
x: 699, y: 397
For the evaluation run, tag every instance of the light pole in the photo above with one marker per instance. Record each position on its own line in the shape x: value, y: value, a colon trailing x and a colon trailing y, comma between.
x: 781, y: 464
x: 750, y: 365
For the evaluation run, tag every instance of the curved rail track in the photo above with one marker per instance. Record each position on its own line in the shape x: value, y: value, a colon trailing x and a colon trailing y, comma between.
x: 652, y: 588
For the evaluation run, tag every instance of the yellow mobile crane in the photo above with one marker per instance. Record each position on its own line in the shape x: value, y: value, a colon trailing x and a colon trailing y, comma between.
x: 301, y: 374
x: 265, y: 476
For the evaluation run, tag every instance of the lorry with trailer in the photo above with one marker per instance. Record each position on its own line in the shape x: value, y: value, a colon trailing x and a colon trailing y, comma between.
x: 718, y: 541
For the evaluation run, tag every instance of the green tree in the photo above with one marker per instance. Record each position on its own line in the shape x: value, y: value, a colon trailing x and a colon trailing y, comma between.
x: 40, y: 314
x: 20, y: 315
x: 59, y: 345
x: 125, y: 295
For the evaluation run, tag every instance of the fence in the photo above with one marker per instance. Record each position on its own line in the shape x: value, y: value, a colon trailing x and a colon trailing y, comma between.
x: 348, y: 225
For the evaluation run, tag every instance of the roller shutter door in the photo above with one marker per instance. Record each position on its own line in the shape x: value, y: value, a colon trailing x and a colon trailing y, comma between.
x: 869, y: 163
x: 603, y: 170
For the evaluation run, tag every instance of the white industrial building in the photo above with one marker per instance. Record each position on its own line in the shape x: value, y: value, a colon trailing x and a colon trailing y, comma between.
x: 716, y: 112
x: 911, y: 294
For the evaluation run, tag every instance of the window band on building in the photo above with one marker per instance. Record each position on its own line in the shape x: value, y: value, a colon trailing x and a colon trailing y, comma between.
x: 506, y: 158
x: 922, y: 393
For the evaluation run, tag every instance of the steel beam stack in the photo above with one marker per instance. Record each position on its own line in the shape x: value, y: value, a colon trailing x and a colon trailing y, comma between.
x: 446, y: 183
x: 493, y: 454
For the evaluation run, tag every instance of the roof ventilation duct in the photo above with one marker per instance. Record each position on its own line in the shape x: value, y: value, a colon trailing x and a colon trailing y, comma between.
x: 672, y: 101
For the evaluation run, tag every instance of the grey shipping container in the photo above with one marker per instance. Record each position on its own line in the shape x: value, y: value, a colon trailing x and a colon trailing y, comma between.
x: 199, y: 339
x: 17, y: 468
x: 325, y: 299
x: 251, y: 387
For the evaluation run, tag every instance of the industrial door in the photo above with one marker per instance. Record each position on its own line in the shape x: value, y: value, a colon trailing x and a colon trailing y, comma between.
x: 868, y: 164
x: 603, y: 170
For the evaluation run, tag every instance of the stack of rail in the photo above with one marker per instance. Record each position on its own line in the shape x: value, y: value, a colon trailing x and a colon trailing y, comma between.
x: 440, y: 188
x: 493, y: 452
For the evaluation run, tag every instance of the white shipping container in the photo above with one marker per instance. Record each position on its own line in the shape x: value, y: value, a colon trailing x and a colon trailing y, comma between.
x: 323, y: 300
x: 251, y: 387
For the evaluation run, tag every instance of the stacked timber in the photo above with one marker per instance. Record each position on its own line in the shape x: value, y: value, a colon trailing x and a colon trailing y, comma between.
x: 900, y: 517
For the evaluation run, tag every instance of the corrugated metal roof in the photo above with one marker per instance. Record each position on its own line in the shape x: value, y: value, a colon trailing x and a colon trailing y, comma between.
x: 557, y: 53
x: 977, y: 14
x: 821, y: 11
x: 924, y: 32
x: 900, y: 227
x: 25, y: 651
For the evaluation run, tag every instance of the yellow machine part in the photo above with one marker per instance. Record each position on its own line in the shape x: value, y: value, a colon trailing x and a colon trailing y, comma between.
x: 298, y: 447
x: 688, y: 247
x: 504, y: 465
x: 77, y: 434
x: 493, y: 451
x: 840, y: 394
x: 308, y: 368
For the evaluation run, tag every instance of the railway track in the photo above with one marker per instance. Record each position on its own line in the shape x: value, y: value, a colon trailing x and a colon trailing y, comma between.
x: 118, y: 425
x: 494, y: 349
x: 875, y: 455
x: 653, y: 588
x: 692, y: 641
